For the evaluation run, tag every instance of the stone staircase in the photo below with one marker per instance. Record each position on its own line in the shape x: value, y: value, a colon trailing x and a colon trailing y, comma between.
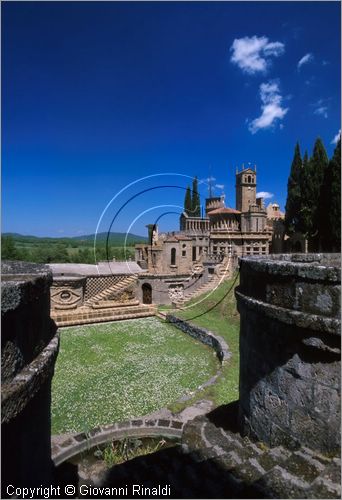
x: 214, y: 280
x: 112, y: 290
x: 212, y: 462
x: 252, y: 470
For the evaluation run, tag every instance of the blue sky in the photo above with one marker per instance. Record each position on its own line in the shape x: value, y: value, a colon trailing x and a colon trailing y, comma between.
x: 98, y: 95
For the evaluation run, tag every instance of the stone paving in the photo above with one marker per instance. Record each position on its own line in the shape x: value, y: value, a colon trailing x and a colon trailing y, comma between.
x: 209, y: 461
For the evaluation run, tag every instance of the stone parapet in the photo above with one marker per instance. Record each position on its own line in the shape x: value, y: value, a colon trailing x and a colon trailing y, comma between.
x: 28, y: 353
x: 74, y: 444
x: 290, y: 350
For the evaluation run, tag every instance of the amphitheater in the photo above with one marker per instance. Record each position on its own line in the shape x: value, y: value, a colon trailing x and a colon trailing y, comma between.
x: 281, y: 439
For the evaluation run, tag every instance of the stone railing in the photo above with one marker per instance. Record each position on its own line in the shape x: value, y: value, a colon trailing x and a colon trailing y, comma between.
x: 290, y: 349
x: 213, y: 258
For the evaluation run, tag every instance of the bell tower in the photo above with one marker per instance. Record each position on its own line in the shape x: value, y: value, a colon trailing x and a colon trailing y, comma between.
x: 245, y: 189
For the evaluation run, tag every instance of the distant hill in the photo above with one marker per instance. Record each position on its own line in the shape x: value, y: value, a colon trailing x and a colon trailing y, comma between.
x: 115, y: 239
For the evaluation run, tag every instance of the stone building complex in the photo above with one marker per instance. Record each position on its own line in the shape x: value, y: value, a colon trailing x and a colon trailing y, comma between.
x: 224, y: 232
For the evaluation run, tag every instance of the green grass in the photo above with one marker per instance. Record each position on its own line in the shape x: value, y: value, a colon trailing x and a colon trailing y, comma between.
x: 218, y: 314
x: 110, y: 372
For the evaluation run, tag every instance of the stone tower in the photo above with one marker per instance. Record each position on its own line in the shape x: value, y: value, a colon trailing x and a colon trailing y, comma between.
x: 245, y: 189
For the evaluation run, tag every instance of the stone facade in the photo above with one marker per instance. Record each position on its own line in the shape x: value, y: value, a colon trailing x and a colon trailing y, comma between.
x: 29, y: 347
x: 166, y: 289
x: 290, y: 350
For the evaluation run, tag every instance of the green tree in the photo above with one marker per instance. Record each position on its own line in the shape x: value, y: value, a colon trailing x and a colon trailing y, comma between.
x: 311, y: 181
x: 24, y: 254
x: 329, y: 209
x: 187, y: 201
x: 195, y: 201
x: 293, y: 202
x: 319, y: 163
x: 304, y: 216
x: 8, y: 248
x: 60, y: 253
x: 85, y: 256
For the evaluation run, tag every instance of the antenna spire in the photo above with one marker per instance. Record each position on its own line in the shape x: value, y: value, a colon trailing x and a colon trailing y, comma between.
x: 210, y: 186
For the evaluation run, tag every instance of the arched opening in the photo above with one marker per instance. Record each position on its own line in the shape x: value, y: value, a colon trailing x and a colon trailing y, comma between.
x: 249, y: 179
x: 173, y: 256
x: 146, y: 293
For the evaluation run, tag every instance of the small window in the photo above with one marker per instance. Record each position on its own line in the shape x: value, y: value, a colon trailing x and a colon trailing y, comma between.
x: 183, y: 253
x: 249, y: 179
x: 173, y: 256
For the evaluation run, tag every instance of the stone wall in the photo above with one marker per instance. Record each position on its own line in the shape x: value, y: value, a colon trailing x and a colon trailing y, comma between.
x: 166, y: 288
x: 203, y: 335
x: 290, y: 349
x: 29, y: 347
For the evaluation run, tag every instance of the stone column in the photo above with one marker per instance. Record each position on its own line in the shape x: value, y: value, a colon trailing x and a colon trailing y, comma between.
x: 28, y: 352
x: 290, y: 350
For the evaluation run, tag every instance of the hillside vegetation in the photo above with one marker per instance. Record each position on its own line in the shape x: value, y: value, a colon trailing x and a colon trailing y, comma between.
x: 79, y: 249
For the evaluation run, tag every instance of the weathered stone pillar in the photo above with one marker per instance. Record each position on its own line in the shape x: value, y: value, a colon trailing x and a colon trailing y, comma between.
x: 29, y: 346
x: 290, y: 349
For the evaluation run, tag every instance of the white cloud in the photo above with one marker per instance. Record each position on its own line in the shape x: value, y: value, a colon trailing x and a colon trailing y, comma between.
x: 305, y: 60
x: 336, y: 138
x: 252, y: 54
x: 219, y: 186
x: 322, y: 110
x: 271, y: 107
x: 265, y: 195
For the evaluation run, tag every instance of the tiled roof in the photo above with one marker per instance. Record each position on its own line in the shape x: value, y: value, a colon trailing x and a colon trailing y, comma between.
x: 224, y: 210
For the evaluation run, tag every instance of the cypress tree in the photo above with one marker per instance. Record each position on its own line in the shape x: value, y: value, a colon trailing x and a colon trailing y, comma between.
x: 335, y: 198
x: 187, y: 201
x: 311, y: 181
x: 195, y: 202
x: 329, y: 211
x: 293, y: 202
x: 304, y: 215
x: 318, y: 165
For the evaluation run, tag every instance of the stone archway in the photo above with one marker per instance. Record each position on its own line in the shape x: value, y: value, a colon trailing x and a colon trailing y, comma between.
x: 146, y: 293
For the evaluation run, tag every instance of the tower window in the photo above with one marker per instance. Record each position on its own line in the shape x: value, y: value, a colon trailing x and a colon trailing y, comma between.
x: 249, y: 179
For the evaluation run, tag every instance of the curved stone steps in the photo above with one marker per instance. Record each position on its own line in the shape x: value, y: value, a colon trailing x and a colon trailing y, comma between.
x: 210, y: 463
x: 261, y: 472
